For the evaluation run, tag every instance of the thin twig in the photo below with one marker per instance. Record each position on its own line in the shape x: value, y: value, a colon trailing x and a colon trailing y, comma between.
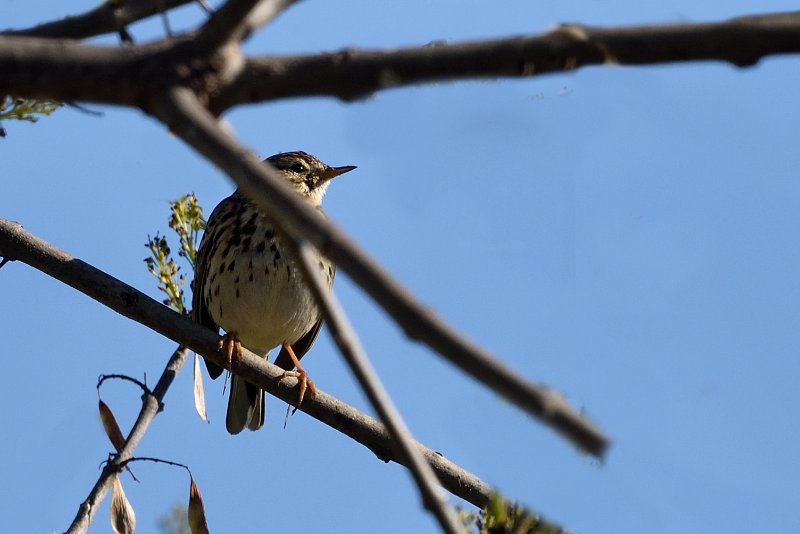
x: 108, y: 17
x: 356, y: 357
x: 151, y: 405
x: 186, y: 118
x: 103, y: 378
x: 127, y: 301
x: 155, y: 460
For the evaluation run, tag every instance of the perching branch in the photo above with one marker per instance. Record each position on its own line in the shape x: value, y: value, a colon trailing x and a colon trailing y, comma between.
x: 356, y: 357
x: 20, y: 245
x: 151, y: 405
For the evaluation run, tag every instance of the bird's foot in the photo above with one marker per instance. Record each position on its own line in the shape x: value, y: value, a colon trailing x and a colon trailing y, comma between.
x: 303, y: 381
x: 305, y: 384
x: 230, y: 344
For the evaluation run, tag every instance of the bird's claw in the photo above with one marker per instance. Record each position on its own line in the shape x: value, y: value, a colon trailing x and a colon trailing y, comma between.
x: 302, y: 377
x: 233, y: 348
x: 304, y: 384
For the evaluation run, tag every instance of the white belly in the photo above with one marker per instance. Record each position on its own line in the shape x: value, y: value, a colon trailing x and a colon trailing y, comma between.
x: 266, y: 309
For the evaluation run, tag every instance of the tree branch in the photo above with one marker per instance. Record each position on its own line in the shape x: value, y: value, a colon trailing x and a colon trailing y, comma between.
x: 19, y: 244
x: 151, y: 405
x: 76, y: 72
x: 352, y: 74
x: 356, y: 357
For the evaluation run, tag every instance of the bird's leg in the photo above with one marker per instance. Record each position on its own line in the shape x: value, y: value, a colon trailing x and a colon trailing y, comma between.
x: 232, y: 346
x: 302, y: 377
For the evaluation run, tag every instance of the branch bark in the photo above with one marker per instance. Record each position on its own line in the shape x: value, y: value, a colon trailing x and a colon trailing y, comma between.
x: 20, y: 245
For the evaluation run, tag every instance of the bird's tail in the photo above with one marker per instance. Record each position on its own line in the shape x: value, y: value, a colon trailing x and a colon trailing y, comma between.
x: 245, y: 407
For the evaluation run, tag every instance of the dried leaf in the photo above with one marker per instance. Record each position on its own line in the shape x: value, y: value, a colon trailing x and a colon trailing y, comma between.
x: 123, y: 519
x: 197, y: 512
x: 111, y: 427
x: 199, y: 391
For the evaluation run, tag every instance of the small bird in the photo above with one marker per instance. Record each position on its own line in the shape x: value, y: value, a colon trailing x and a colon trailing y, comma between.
x: 248, y: 283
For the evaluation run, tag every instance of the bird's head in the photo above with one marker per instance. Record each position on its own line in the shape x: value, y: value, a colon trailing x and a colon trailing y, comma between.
x: 308, y: 175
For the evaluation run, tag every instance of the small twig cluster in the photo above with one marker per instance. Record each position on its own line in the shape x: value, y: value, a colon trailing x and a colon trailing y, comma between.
x: 23, y: 109
x: 187, y: 221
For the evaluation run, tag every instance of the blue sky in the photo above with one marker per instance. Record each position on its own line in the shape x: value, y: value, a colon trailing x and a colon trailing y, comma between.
x: 627, y: 236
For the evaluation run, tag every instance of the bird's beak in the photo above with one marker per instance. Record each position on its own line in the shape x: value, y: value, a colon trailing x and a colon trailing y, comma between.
x: 332, y: 172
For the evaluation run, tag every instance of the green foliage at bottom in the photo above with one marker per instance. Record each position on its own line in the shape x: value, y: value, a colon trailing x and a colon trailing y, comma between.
x: 504, y: 517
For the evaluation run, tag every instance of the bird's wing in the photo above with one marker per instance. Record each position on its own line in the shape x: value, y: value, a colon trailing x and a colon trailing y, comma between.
x: 200, y: 313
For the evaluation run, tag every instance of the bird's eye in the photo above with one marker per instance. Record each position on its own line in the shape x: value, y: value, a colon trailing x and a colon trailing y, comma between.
x: 298, y: 167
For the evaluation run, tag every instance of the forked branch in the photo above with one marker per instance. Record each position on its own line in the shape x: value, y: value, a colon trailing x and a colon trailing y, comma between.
x: 151, y: 405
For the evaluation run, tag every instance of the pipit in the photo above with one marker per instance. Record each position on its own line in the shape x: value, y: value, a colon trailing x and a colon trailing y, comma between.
x: 248, y: 283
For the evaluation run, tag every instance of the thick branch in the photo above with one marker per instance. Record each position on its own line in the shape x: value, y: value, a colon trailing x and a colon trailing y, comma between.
x: 190, y: 121
x: 151, y: 405
x: 79, y: 72
x: 69, y: 71
x: 18, y: 244
x: 352, y: 74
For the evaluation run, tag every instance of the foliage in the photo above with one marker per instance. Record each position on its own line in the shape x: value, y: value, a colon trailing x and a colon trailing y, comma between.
x: 22, y: 109
x: 503, y: 517
x: 187, y: 221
